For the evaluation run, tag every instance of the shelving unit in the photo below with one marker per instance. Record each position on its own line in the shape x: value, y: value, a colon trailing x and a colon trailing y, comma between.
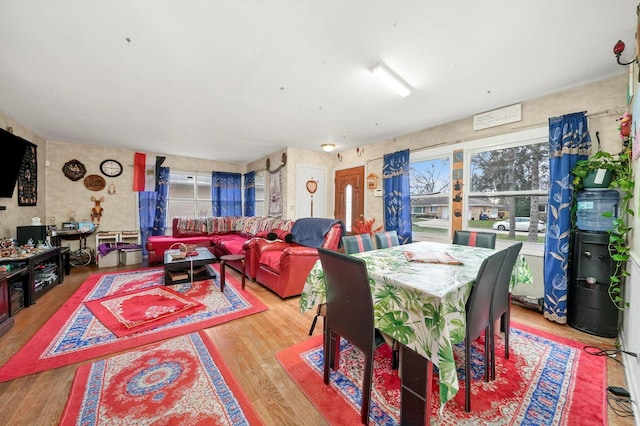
x: 125, y: 256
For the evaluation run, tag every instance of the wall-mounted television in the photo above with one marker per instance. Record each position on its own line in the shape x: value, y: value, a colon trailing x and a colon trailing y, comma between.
x: 13, y: 149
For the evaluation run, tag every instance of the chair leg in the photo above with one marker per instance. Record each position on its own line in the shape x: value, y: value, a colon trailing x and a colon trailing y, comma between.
x: 395, y: 355
x: 366, y: 388
x: 313, y: 324
x: 327, y: 355
x: 467, y: 375
x: 488, y: 359
x: 492, y: 350
x: 507, y: 326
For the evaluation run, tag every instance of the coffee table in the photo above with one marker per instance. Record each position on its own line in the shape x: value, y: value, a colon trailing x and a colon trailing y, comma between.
x: 188, y: 269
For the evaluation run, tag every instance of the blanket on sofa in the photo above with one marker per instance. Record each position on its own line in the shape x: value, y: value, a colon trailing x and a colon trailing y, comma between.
x: 310, y: 231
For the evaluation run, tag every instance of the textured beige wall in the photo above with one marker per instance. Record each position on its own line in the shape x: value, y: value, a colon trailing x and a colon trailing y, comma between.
x: 120, y: 209
x: 604, y: 101
x: 14, y: 215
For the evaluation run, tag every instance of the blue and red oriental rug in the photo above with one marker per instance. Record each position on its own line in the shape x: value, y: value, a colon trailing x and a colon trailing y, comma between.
x: 74, y: 333
x: 181, y: 381
x: 547, y: 380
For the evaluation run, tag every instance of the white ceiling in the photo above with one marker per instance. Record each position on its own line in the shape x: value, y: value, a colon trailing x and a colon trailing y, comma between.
x: 237, y: 80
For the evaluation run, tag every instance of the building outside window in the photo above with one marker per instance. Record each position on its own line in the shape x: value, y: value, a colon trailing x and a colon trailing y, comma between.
x: 430, y: 177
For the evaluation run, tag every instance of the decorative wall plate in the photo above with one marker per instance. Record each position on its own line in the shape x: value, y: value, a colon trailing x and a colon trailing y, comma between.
x: 95, y: 183
x: 74, y: 170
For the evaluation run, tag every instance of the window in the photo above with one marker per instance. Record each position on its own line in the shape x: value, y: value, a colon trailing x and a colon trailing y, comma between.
x: 430, y: 181
x: 260, y: 195
x: 189, y: 195
x: 505, y: 187
x: 508, y: 185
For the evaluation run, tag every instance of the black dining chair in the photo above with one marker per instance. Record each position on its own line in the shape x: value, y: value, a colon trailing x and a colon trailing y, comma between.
x: 501, y: 302
x: 349, y: 315
x: 386, y: 239
x: 352, y: 244
x: 478, y: 309
x: 475, y: 239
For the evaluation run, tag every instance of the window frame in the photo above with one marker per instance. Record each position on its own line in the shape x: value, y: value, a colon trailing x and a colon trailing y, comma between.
x: 196, y: 199
x: 507, y: 140
x: 471, y: 147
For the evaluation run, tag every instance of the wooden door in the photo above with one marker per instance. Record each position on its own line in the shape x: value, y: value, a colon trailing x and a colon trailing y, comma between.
x: 350, y: 187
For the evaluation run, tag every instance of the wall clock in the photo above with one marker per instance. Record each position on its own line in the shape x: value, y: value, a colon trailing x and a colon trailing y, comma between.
x: 111, y: 168
x: 94, y: 183
x: 74, y: 170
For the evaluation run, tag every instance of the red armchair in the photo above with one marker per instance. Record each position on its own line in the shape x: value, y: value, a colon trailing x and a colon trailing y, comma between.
x: 283, y: 267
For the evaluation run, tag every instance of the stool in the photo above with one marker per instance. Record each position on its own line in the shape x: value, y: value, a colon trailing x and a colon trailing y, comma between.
x: 223, y: 261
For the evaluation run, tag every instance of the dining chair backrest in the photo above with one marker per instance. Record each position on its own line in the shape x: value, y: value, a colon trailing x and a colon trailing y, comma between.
x: 478, y: 308
x: 475, y: 239
x: 386, y: 239
x: 479, y: 302
x: 349, y: 301
x: 500, y: 300
x: 357, y: 243
x: 349, y: 315
x: 501, y: 303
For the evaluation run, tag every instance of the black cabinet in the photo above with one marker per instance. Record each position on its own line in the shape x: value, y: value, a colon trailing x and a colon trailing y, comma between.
x: 590, y: 308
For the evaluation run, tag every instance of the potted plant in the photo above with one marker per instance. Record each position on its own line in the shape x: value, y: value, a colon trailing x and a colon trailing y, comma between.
x: 621, y: 178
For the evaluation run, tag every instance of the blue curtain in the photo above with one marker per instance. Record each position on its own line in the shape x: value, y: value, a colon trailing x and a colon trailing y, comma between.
x: 397, y: 201
x: 569, y: 142
x: 226, y: 194
x: 152, y: 208
x: 250, y: 194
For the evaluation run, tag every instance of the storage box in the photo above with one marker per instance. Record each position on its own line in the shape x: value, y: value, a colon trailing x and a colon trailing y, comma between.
x: 86, y: 226
x: 130, y: 256
x: 69, y: 226
x: 111, y: 259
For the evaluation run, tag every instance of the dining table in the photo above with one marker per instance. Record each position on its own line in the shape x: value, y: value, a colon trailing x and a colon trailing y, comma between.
x: 419, y: 293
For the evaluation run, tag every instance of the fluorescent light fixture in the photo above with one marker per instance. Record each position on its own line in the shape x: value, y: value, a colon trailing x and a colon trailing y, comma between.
x: 391, y: 79
x: 328, y: 147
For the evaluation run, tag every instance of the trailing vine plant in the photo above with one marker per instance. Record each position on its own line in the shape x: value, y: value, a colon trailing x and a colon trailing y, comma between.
x: 621, y: 168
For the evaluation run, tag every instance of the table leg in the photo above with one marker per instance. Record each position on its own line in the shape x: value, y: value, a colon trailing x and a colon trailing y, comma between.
x: 415, y: 397
x: 222, y: 274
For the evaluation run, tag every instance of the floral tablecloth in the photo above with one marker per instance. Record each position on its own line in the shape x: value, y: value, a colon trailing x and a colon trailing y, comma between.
x: 421, y: 305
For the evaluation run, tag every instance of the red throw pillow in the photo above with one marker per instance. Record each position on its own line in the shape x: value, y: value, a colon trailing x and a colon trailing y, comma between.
x: 263, y: 234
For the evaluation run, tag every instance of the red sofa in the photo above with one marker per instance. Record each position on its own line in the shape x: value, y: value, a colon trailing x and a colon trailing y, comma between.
x: 283, y: 267
x: 221, y: 235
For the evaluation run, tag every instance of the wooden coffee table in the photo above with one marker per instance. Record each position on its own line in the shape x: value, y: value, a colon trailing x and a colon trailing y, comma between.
x: 189, y: 269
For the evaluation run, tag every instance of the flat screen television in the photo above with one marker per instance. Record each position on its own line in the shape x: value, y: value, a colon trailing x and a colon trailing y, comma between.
x: 13, y: 149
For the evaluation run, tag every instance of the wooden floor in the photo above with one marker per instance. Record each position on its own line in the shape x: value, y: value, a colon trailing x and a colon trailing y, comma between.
x: 248, y: 344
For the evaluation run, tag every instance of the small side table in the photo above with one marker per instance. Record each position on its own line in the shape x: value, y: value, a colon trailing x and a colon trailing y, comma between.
x: 223, y: 261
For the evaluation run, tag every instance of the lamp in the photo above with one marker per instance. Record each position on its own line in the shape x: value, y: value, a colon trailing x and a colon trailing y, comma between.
x: 328, y: 147
x: 618, y: 49
x: 391, y: 79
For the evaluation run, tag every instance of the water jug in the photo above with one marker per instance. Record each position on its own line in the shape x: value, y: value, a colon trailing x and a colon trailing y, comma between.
x: 591, y: 203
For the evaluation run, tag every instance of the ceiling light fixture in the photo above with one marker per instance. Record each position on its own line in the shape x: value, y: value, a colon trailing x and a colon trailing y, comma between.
x: 391, y: 79
x: 328, y: 147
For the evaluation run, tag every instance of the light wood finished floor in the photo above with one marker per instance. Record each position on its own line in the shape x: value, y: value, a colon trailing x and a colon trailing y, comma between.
x: 248, y: 345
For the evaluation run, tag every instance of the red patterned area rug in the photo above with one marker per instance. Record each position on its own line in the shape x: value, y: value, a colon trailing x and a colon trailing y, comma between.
x: 181, y: 381
x: 140, y: 310
x: 74, y: 334
x: 547, y: 380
